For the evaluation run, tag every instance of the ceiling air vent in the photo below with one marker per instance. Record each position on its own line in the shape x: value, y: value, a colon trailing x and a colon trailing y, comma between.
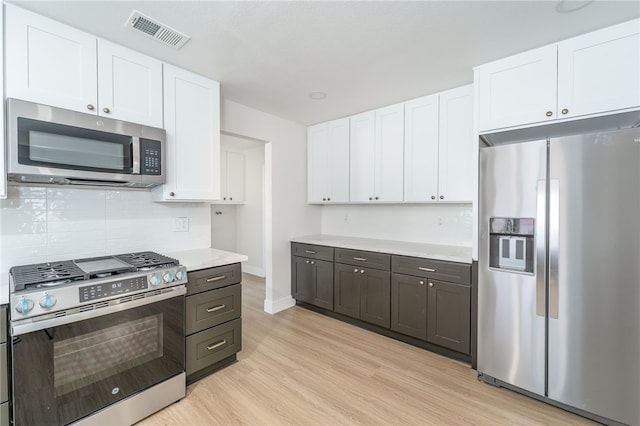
x: 156, y: 30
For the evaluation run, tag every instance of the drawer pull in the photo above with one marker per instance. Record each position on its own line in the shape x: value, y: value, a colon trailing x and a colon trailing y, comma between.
x: 216, y: 345
x: 218, y: 278
x: 310, y: 251
x: 216, y: 308
x: 360, y: 259
x: 426, y: 269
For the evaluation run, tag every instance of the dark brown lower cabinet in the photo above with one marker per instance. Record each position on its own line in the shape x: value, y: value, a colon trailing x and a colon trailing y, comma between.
x: 409, y: 305
x: 312, y: 281
x: 448, y: 315
x: 363, y: 293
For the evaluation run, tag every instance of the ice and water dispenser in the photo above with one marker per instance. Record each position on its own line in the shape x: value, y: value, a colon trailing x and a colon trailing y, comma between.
x: 511, y: 245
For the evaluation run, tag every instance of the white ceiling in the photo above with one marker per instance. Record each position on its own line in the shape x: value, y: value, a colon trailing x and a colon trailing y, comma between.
x: 269, y: 55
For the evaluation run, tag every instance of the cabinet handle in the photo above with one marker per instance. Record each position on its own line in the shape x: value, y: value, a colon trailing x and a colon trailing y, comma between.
x: 433, y: 197
x: 218, y: 278
x: 549, y: 113
x: 324, y: 199
x: 361, y: 259
x: 307, y: 262
x: 362, y: 271
x: 426, y: 269
x: 171, y: 194
x: 430, y: 284
x: 106, y: 110
x: 370, y: 198
x: 313, y: 262
x: 565, y: 111
x: 442, y: 197
x: 355, y: 270
x: 376, y: 198
x: 231, y: 198
x: 310, y: 251
x: 224, y: 198
x: 328, y: 199
x: 216, y: 345
x: 421, y: 282
x: 90, y: 107
x: 216, y: 308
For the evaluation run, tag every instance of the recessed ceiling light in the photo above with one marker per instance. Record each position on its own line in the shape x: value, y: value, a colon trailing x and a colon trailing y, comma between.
x: 317, y: 95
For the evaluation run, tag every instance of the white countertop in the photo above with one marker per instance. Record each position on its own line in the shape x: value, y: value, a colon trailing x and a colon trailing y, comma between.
x: 427, y: 251
x: 206, y: 258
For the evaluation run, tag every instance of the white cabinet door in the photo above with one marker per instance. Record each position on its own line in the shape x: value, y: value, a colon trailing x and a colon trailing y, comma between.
x: 192, y: 122
x: 600, y: 71
x: 3, y: 171
x: 421, y: 149
x: 49, y: 63
x: 235, y: 177
x: 389, y: 154
x: 518, y: 90
x: 337, y: 172
x: 362, y: 157
x: 456, y: 182
x: 317, y: 141
x: 129, y: 85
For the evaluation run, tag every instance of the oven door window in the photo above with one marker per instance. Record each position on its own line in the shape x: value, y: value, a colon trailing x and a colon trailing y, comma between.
x: 64, y: 373
x: 60, y: 146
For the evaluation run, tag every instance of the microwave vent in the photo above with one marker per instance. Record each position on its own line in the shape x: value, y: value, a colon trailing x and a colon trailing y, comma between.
x: 156, y: 30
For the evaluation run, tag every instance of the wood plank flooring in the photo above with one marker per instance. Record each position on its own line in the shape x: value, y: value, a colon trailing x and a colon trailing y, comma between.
x: 302, y: 368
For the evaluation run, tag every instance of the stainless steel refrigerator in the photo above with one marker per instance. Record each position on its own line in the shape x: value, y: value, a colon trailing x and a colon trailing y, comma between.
x: 559, y: 271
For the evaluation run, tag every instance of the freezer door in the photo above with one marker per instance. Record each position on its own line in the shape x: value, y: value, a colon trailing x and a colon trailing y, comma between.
x: 594, y: 298
x: 511, y: 303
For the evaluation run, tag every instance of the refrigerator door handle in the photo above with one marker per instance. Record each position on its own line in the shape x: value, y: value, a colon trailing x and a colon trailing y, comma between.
x: 540, y: 247
x: 554, y: 247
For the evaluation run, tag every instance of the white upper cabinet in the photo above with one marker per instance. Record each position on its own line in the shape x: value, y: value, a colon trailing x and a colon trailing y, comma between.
x: 596, y: 73
x: 421, y: 149
x: 518, y: 90
x: 192, y: 122
x: 328, y: 162
x: 600, y: 71
x: 362, y: 157
x: 129, y: 85
x: 456, y: 180
x: 438, y: 150
x: 3, y: 171
x: 232, y: 177
x: 376, y: 155
x: 51, y: 63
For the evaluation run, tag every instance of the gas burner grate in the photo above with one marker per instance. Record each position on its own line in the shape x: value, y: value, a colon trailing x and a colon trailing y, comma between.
x: 146, y: 259
x: 39, y: 273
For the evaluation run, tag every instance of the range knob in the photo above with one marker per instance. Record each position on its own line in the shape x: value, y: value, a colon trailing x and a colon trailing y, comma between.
x: 181, y: 274
x: 48, y: 301
x: 155, y: 280
x: 168, y: 276
x: 24, y: 306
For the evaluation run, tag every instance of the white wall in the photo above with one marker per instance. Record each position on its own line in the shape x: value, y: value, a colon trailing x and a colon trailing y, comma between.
x: 58, y: 223
x: 249, y: 216
x: 223, y: 227
x: 449, y: 224
x: 287, y: 213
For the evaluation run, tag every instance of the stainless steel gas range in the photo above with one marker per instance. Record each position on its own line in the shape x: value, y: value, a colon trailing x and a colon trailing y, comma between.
x: 97, y: 340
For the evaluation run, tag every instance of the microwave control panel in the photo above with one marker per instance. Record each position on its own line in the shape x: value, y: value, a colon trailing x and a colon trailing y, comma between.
x: 150, y: 157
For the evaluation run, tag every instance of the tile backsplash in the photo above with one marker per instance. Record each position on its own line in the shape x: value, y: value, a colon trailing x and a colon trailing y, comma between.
x: 42, y: 224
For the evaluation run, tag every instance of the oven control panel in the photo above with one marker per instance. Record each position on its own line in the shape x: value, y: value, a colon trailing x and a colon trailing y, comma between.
x: 110, y: 289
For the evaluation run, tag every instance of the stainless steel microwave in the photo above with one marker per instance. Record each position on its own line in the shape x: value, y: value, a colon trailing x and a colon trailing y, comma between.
x: 48, y: 145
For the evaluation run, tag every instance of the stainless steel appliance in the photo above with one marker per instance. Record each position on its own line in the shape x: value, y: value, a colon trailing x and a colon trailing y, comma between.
x: 559, y: 318
x: 47, y: 145
x: 97, y: 340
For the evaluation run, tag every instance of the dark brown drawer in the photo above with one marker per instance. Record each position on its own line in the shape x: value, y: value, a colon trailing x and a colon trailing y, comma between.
x: 212, y: 278
x: 213, y: 345
x: 208, y: 309
x: 363, y: 258
x: 312, y: 251
x: 459, y: 273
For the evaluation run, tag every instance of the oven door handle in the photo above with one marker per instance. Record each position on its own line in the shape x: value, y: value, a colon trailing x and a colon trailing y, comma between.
x: 58, y: 318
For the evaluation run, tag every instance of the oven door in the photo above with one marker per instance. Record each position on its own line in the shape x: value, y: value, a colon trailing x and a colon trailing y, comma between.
x: 64, y: 373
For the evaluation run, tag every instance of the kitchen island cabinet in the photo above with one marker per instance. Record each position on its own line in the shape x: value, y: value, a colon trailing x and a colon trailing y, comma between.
x: 393, y: 291
x: 4, y: 368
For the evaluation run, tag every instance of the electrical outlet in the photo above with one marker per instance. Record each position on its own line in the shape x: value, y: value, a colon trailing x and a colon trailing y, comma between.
x: 442, y: 221
x: 181, y: 224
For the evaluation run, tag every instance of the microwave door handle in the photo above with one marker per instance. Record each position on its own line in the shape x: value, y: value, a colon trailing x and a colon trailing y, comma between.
x: 135, y: 155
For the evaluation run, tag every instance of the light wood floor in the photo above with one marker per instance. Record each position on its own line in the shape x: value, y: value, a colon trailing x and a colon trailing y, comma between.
x: 302, y: 368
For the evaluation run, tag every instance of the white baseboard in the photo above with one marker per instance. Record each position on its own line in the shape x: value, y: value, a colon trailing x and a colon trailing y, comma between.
x: 253, y: 270
x: 275, y: 306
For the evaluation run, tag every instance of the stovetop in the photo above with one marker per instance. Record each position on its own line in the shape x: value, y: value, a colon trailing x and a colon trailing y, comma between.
x: 52, y: 274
